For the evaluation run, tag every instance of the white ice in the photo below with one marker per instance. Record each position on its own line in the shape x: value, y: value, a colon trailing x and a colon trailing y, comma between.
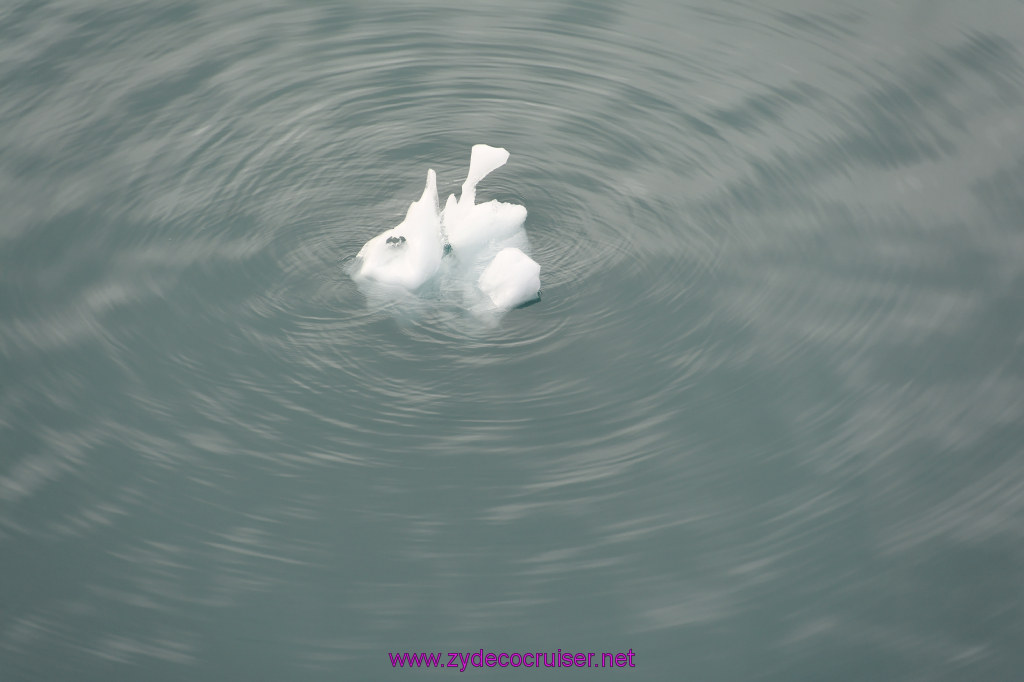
x: 512, y: 279
x: 470, y: 227
x: 409, y: 254
x: 486, y: 265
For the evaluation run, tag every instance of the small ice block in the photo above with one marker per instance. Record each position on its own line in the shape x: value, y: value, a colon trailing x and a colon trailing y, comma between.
x: 512, y: 279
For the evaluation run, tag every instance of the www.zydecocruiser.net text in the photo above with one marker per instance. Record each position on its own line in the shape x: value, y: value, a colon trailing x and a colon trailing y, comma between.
x: 529, y: 659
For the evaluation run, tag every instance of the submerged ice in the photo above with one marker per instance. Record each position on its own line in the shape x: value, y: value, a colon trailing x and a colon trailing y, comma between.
x: 478, y: 250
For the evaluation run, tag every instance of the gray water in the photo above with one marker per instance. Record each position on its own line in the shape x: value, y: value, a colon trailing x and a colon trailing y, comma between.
x: 765, y: 424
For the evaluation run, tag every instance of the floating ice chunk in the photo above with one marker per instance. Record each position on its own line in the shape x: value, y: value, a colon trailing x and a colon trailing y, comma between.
x: 512, y: 279
x: 489, y: 269
x: 408, y: 255
x: 470, y: 227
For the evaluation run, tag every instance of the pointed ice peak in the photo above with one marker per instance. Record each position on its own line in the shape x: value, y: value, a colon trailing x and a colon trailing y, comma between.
x: 427, y: 204
x: 482, y: 160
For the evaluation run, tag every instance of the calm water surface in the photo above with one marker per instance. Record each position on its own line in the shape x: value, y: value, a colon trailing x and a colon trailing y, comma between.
x: 765, y: 424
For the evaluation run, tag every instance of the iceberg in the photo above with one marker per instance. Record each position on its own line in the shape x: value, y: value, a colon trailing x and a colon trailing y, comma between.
x: 480, y: 250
